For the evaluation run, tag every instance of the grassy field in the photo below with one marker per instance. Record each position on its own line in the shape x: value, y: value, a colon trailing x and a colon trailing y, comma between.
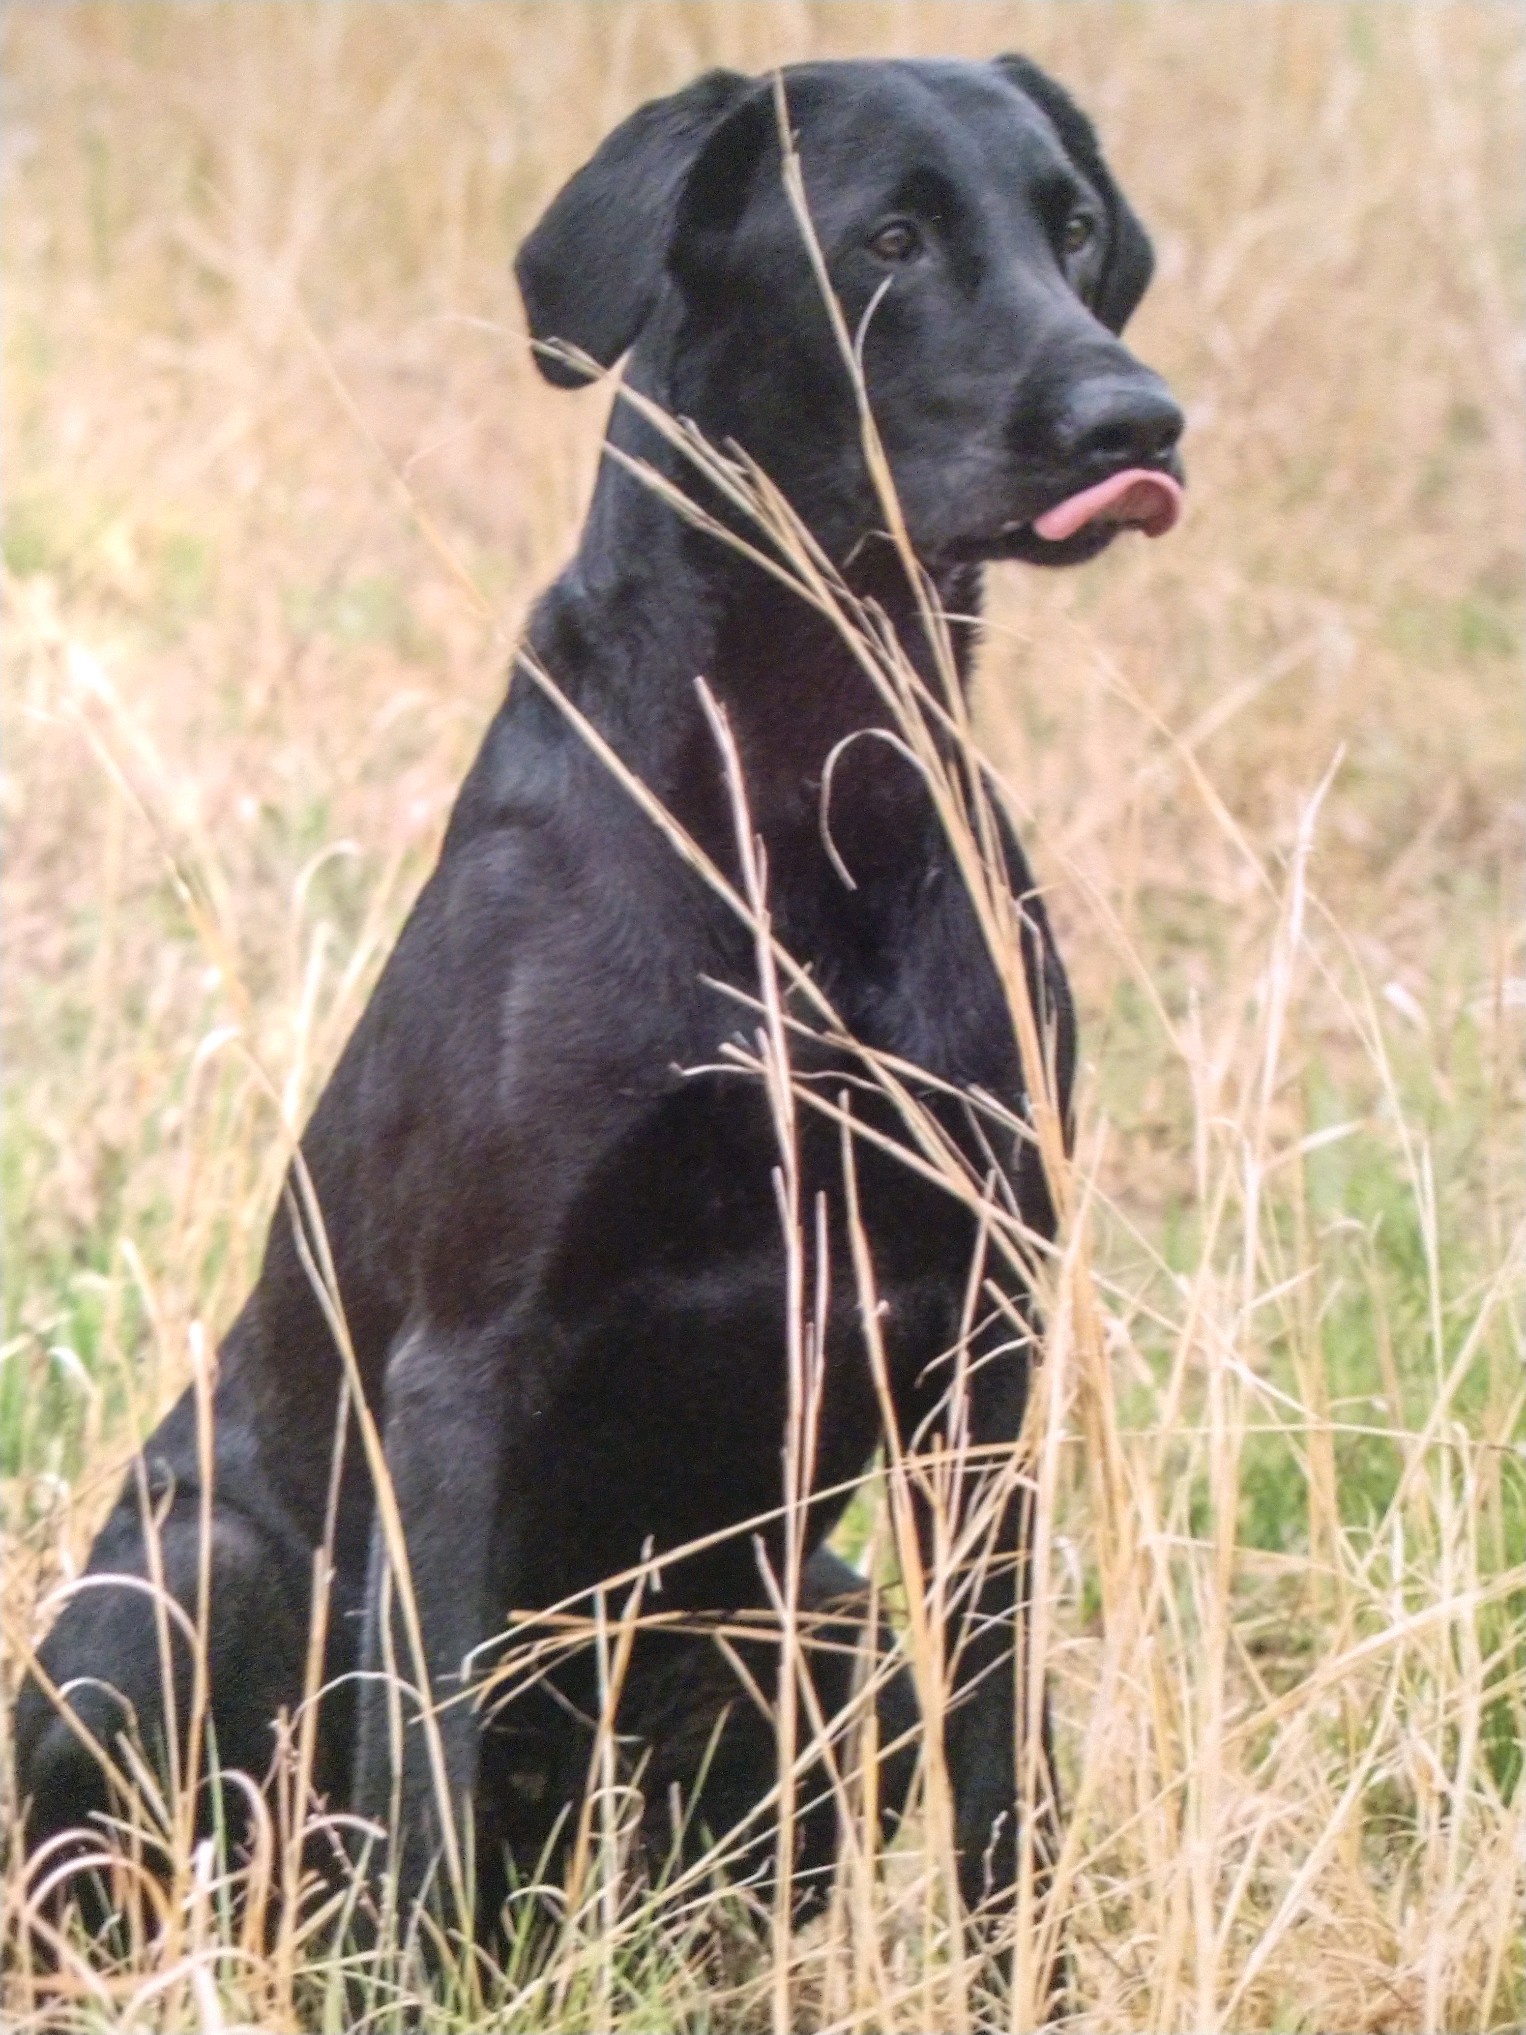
x: 263, y: 366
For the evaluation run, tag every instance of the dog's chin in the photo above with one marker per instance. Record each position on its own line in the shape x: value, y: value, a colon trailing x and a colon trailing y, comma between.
x: 1021, y: 543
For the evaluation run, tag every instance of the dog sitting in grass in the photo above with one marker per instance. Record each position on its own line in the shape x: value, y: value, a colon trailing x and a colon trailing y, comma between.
x: 529, y: 1280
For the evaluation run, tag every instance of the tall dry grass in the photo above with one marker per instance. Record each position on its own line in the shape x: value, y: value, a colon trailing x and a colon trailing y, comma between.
x: 262, y: 385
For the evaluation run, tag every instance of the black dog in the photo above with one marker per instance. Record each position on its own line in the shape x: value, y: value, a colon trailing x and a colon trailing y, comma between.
x: 559, y: 1253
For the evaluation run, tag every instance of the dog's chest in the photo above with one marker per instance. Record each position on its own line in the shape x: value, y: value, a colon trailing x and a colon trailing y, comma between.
x: 665, y: 1333
x: 673, y: 1276
x: 680, y: 1206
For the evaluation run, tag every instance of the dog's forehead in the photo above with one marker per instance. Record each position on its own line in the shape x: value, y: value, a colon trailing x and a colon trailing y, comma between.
x: 966, y: 119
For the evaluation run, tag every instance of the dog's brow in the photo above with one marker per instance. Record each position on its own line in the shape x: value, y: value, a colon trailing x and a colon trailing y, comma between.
x: 1057, y: 191
x: 929, y: 191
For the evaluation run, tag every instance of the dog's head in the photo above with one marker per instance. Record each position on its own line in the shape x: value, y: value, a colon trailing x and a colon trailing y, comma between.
x: 980, y: 250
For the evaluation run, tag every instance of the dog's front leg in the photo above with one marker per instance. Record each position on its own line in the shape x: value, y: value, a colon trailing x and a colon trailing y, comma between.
x: 998, y: 1713
x: 417, y: 1737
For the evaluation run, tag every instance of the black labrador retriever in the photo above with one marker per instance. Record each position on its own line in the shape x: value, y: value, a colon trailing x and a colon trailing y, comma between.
x: 551, y: 1213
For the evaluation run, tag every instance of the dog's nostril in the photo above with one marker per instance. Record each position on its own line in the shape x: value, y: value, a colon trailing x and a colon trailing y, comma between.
x: 1120, y: 422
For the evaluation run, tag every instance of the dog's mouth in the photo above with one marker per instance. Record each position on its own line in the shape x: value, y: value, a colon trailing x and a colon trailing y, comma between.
x: 1139, y: 498
x: 1080, y: 524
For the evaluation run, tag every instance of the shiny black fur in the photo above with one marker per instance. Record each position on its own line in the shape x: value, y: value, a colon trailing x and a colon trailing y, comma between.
x: 559, y: 1251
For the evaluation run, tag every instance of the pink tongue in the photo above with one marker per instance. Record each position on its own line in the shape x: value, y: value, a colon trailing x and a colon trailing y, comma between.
x: 1140, y: 497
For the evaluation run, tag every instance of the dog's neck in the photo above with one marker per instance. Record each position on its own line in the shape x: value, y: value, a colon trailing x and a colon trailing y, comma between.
x: 649, y: 606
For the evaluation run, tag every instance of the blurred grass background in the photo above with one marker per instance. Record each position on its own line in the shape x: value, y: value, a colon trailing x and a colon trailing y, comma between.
x: 256, y: 270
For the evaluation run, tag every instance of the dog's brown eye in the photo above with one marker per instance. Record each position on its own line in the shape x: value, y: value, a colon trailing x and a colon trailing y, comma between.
x: 898, y: 241
x: 1078, y: 232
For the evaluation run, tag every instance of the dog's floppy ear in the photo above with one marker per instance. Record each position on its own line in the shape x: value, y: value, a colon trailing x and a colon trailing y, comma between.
x: 590, y: 271
x: 714, y: 193
x: 1130, y: 259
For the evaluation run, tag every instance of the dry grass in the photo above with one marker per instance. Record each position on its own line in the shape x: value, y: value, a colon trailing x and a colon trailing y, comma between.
x: 256, y: 269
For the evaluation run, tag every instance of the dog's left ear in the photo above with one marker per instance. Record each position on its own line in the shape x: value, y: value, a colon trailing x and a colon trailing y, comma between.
x: 1130, y: 258
x: 590, y: 271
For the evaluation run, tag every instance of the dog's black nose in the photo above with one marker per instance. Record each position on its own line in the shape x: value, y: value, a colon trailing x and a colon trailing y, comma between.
x: 1120, y: 420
